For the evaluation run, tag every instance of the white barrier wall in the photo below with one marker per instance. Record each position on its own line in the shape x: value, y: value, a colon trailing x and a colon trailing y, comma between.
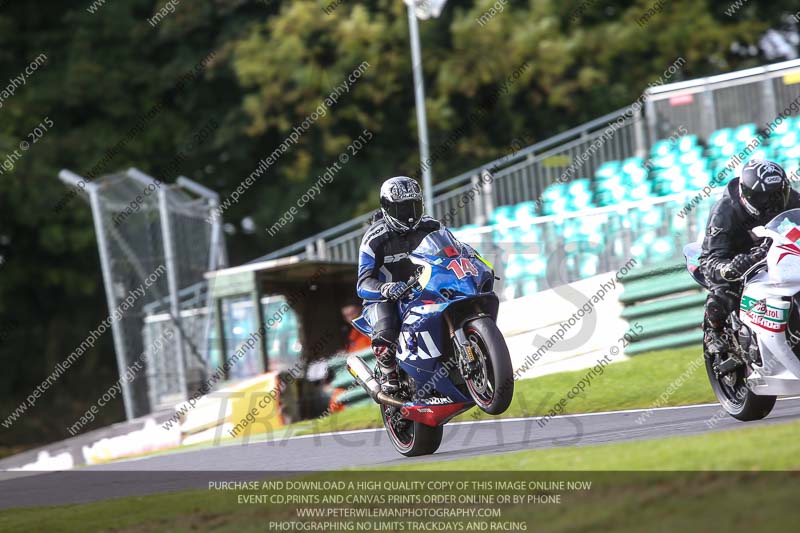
x: 584, y: 317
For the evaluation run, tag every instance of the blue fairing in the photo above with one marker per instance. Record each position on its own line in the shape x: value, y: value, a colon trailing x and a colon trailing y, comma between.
x: 424, y: 336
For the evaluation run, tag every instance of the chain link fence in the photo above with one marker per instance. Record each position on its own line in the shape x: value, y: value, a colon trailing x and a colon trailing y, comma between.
x: 155, y: 247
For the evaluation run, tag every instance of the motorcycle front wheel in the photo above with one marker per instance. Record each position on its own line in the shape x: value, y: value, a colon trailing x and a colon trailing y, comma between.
x: 492, y: 384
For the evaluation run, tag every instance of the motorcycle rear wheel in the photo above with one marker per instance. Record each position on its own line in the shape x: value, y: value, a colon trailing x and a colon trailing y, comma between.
x: 735, y: 396
x: 411, y: 438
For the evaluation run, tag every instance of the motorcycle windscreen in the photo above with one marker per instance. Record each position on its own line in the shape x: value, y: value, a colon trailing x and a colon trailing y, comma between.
x: 440, y: 243
x: 692, y: 253
x: 787, y: 224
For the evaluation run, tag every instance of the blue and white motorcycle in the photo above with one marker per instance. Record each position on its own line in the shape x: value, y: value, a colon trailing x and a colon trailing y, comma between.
x: 451, y: 355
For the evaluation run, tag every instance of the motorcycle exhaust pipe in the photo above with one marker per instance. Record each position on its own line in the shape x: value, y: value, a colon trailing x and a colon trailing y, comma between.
x: 364, y: 376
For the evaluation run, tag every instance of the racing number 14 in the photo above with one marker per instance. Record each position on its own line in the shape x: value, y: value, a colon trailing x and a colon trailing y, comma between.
x: 462, y: 268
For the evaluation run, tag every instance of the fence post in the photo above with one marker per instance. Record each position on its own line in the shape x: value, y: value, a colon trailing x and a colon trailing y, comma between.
x: 709, y: 112
x: 639, y: 135
x: 172, y: 282
x: 488, y: 194
x: 322, y: 249
x: 769, y: 104
x: 478, y: 211
x: 650, y: 116
x: 111, y: 298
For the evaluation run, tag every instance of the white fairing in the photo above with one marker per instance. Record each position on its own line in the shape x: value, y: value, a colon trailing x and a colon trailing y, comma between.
x: 765, y: 308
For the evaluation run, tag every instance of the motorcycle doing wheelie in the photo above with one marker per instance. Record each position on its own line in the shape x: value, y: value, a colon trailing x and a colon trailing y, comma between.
x: 763, y: 356
x: 451, y: 355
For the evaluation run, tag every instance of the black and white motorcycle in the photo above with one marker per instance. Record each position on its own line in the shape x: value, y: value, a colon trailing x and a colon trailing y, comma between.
x: 763, y: 335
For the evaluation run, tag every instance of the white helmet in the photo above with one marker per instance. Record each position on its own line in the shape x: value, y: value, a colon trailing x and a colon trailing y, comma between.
x: 401, y: 203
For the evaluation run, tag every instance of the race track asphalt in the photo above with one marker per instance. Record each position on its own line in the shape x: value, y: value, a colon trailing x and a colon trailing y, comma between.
x: 258, y: 460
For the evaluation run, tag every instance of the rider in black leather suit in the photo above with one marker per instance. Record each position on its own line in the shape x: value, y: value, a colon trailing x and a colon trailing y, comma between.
x: 730, y: 249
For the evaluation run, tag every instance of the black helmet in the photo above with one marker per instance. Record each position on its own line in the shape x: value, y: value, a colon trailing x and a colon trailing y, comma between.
x: 401, y: 203
x: 764, y: 189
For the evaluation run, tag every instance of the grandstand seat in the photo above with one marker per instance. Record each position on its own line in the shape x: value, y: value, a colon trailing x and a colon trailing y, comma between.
x: 662, y: 148
x: 786, y: 125
x: 691, y: 156
x: 745, y: 133
x: 525, y: 212
x: 682, y: 165
x: 720, y: 137
x: 686, y: 143
x: 502, y: 214
x: 608, y: 169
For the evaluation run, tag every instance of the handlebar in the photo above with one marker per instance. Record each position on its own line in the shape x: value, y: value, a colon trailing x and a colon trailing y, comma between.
x: 412, y: 283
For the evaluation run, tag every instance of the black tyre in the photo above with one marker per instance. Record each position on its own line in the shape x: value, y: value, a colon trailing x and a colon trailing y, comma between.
x: 492, y: 386
x: 735, y: 397
x: 411, y: 438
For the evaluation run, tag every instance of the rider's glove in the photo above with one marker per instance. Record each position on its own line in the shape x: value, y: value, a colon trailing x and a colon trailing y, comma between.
x: 393, y: 290
x: 740, y: 264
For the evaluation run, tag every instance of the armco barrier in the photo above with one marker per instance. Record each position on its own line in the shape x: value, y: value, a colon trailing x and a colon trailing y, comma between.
x: 668, y: 305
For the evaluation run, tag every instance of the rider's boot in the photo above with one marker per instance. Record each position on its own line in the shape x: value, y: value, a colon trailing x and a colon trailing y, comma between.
x: 387, y: 364
x: 714, y: 341
x: 716, y: 345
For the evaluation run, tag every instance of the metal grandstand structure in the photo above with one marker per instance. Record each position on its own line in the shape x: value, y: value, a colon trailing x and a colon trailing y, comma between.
x: 146, y: 228
x: 703, y: 105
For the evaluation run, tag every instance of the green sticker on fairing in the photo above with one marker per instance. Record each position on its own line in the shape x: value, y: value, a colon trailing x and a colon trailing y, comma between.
x: 747, y: 303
